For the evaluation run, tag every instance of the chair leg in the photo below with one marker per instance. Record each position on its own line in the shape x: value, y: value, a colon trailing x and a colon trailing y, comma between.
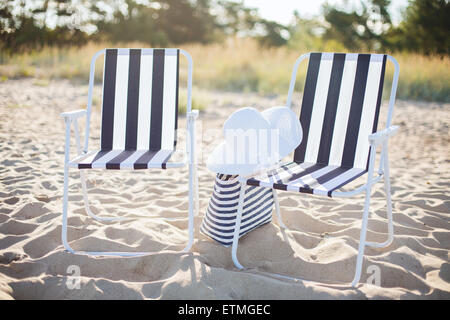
x: 86, y: 203
x: 237, y: 226
x: 83, y: 183
x: 362, y: 238
x: 387, y: 189
x: 106, y: 253
x: 190, y: 209
x: 196, y: 187
x: 103, y: 219
x: 65, y: 208
x: 277, y: 209
x: 66, y: 188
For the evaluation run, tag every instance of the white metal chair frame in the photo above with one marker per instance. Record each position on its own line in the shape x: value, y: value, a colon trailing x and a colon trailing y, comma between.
x: 377, y: 139
x: 71, y: 118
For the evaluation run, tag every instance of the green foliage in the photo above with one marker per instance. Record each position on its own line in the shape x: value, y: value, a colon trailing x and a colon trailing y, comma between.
x: 425, y: 28
x: 273, y: 34
x: 239, y: 78
x: 355, y: 30
x: 422, y: 77
x: 305, y: 36
x: 30, y: 24
x: 237, y: 19
x: 197, y: 103
x: 33, y: 24
x: 24, y: 25
x: 234, y: 49
x: 163, y: 22
x: 135, y: 24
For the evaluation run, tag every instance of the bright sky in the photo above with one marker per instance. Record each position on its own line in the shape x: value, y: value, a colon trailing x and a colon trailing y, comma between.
x: 282, y: 10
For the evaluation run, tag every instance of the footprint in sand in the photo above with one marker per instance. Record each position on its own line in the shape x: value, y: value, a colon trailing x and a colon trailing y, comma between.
x: 12, y: 200
x: 31, y: 210
x: 8, y: 257
x: 14, y: 227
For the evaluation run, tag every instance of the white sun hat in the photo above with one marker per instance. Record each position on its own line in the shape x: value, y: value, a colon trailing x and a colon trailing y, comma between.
x: 255, y: 140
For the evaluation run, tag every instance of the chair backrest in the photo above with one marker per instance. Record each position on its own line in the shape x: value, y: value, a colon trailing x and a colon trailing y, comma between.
x: 140, y: 99
x: 340, y: 108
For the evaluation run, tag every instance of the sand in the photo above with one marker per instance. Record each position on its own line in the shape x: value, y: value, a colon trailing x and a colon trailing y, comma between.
x: 318, y: 251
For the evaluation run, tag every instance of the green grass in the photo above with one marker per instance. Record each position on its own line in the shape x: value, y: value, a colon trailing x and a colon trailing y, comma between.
x: 237, y: 65
x: 198, y: 102
x: 15, y: 106
x: 422, y: 78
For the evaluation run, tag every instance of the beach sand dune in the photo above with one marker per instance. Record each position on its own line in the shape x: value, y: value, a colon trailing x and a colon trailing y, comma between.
x: 319, y: 249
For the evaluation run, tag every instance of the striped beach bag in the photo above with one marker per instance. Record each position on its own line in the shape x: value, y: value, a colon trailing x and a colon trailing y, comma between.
x: 220, y: 217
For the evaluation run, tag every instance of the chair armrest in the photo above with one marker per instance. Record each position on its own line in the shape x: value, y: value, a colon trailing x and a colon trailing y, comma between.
x: 380, y: 136
x: 192, y: 115
x: 69, y: 119
x: 73, y: 114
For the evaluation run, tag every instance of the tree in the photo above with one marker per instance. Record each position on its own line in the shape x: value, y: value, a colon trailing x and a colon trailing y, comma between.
x: 234, y: 18
x: 24, y: 24
x: 355, y: 30
x: 156, y: 23
x: 186, y: 20
x: 425, y: 28
x: 132, y: 22
x: 306, y: 35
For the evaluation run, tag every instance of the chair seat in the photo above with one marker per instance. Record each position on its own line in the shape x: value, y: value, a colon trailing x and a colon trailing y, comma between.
x: 123, y: 159
x: 307, y: 178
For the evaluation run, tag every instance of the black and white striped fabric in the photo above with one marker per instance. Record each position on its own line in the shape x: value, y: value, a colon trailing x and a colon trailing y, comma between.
x: 220, y: 217
x: 140, y: 110
x: 340, y: 108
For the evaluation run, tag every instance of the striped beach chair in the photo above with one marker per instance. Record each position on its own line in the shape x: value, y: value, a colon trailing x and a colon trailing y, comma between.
x: 339, y: 117
x: 138, y: 125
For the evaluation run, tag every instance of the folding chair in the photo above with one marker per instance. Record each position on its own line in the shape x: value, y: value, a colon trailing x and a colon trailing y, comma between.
x: 138, y: 128
x: 339, y: 116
